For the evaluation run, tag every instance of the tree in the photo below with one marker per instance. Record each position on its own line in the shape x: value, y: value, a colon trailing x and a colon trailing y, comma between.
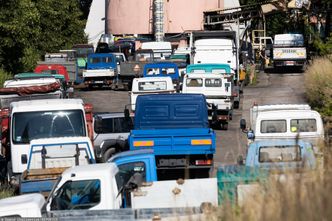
x: 30, y: 28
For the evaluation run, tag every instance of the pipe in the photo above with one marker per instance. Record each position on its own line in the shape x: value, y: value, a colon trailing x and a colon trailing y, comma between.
x: 158, y: 12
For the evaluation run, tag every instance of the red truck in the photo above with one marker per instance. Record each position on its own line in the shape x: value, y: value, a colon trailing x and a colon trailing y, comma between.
x: 52, y: 69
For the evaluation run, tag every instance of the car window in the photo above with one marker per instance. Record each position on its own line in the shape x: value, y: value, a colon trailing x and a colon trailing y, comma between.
x: 213, y: 82
x: 127, y: 170
x: 273, y: 126
x: 107, y: 125
x: 286, y: 153
x: 303, y: 125
x: 194, y: 82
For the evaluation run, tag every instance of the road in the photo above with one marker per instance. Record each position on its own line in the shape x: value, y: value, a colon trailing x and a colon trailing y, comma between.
x: 271, y: 88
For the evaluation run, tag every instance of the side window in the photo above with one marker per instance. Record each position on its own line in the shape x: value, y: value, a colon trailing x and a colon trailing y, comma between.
x: 107, y: 125
x: 303, y: 125
x: 273, y: 126
x: 127, y: 170
x: 83, y: 194
x: 126, y: 124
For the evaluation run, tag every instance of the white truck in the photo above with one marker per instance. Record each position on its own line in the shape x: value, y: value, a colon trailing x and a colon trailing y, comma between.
x: 284, y: 121
x: 289, y: 51
x: 105, y: 187
x: 217, y: 89
x: 35, y: 119
x: 150, y: 85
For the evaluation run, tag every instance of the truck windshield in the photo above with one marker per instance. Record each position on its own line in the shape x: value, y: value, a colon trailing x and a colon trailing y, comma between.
x: 46, y: 124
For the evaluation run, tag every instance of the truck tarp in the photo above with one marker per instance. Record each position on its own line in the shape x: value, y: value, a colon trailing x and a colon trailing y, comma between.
x: 22, y: 91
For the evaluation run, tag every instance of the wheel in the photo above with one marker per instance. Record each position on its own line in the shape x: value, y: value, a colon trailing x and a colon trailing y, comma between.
x: 224, y: 126
x: 108, y: 154
x: 236, y: 104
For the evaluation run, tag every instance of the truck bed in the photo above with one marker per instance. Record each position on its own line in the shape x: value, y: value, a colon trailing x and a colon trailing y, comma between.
x: 174, y: 141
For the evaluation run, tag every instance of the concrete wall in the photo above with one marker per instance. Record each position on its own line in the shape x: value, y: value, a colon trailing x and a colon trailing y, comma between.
x: 135, y: 16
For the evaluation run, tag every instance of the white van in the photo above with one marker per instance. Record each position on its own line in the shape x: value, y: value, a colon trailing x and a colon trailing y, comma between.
x: 286, y: 121
x: 161, y: 50
x: 217, y: 89
x: 150, y: 85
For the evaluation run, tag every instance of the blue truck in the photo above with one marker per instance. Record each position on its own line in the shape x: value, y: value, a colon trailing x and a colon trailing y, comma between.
x: 264, y: 158
x: 100, y: 70
x: 176, y: 127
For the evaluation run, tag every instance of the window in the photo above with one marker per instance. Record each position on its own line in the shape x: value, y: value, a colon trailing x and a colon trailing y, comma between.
x: 194, y: 82
x: 94, y: 60
x: 127, y: 170
x: 125, y: 124
x: 303, y: 125
x: 286, y: 153
x: 152, y: 71
x: 46, y: 124
x: 108, y: 125
x: 219, y: 71
x: 82, y: 194
x: 213, y: 82
x: 273, y: 126
x: 152, y: 86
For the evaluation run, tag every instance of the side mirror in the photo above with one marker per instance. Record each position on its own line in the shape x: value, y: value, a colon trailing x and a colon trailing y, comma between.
x: 251, y: 135
x: 135, y: 181
x: 243, y: 124
x: 98, y: 125
x: 126, y: 113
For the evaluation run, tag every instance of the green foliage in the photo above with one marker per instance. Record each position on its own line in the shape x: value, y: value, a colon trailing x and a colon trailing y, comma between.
x: 4, y: 76
x: 318, y: 83
x: 30, y: 28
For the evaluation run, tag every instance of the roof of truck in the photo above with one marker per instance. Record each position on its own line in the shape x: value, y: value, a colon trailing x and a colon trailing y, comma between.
x: 88, y: 170
x: 47, y: 104
x: 29, y: 82
x: 32, y: 201
x: 283, y: 114
x: 280, y: 142
x: 131, y: 153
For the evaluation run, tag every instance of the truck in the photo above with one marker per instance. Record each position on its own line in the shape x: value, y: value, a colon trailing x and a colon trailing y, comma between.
x: 49, y: 157
x: 217, y: 89
x: 280, y: 159
x: 289, y: 51
x: 105, y: 187
x: 52, y: 69
x: 26, y: 120
x: 284, y: 121
x: 100, y: 70
x: 223, y: 69
x: 111, y: 131
x: 176, y: 127
x: 218, y: 47
x: 162, y: 69
x: 150, y: 85
x: 65, y: 87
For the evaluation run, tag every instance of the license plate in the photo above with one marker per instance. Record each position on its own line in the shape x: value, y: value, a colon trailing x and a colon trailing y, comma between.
x: 289, y: 62
x: 99, y: 82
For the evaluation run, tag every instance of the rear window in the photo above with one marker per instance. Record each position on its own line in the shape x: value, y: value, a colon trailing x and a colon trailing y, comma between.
x: 287, y: 153
x: 152, y: 86
x: 194, y: 82
x: 213, y: 82
x: 303, y: 125
x: 273, y: 126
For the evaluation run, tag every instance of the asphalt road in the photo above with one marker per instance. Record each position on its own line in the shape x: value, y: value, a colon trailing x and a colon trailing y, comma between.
x: 271, y: 88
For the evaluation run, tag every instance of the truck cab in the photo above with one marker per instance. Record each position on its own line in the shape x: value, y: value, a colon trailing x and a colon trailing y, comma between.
x: 217, y: 89
x: 150, y: 85
x: 100, y: 69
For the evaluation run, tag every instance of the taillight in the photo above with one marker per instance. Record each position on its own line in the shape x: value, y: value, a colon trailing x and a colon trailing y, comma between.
x: 203, y: 162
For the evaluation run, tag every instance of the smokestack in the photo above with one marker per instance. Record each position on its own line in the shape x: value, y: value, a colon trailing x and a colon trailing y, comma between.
x: 158, y: 19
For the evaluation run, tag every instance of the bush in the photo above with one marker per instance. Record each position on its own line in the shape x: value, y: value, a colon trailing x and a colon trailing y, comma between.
x: 4, y: 76
x: 318, y: 84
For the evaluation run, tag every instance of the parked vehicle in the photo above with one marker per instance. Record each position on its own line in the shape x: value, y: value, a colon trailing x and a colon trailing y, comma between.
x: 223, y: 69
x: 49, y: 157
x: 162, y: 50
x: 37, y: 79
x: 217, y: 89
x: 53, y: 69
x: 218, y: 47
x: 82, y: 52
x: 278, y: 158
x: 289, y: 50
x: 111, y: 131
x: 101, y: 70
x: 150, y: 85
x: 176, y: 127
x: 284, y: 121
x: 35, y: 119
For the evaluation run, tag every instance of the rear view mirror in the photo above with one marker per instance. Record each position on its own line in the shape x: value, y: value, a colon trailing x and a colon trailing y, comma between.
x: 98, y: 125
x: 243, y: 124
x: 126, y: 113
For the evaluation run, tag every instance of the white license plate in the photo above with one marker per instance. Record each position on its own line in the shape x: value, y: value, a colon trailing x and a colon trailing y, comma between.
x: 289, y: 62
x: 99, y: 82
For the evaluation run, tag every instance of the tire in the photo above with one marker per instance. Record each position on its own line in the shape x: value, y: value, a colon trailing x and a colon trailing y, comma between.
x: 108, y: 154
x: 236, y: 104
